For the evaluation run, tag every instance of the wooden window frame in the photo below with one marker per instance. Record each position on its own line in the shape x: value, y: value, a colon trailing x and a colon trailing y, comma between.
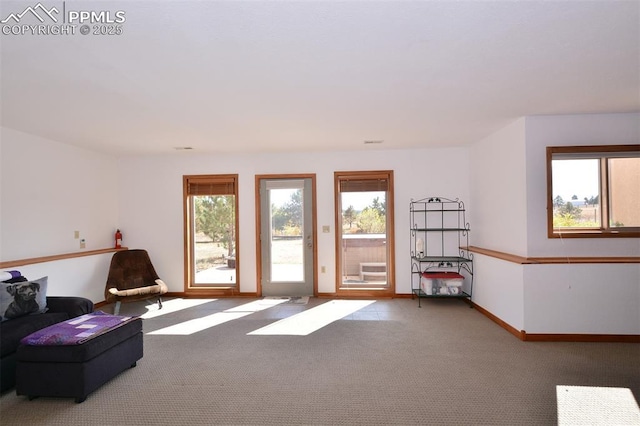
x: 387, y: 175
x: 603, y: 153
x: 218, y: 184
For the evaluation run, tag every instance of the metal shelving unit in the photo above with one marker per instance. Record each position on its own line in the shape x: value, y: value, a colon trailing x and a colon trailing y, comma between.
x: 439, y: 243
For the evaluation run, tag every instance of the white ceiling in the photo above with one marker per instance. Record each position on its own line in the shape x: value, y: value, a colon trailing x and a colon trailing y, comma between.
x: 232, y: 76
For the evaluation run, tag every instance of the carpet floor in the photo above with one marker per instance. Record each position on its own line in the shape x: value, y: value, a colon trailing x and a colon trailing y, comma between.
x: 386, y: 363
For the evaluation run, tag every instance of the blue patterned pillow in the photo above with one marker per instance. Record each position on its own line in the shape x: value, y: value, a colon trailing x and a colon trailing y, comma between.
x: 23, y: 298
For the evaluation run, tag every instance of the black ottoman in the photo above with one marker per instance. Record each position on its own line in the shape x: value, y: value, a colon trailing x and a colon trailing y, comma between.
x: 77, y: 370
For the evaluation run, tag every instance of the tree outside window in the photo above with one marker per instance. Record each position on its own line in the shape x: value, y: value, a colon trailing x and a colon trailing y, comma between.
x: 593, y: 191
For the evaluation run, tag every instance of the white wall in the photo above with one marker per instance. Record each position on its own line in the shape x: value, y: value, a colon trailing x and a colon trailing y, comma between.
x: 510, y: 165
x: 578, y: 298
x: 498, y: 287
x: 498, y: 218
x: 587, y: 298
x: 563, y: 130
x: 151, y: 216
x: 79, y: 276
x: 48, y: 190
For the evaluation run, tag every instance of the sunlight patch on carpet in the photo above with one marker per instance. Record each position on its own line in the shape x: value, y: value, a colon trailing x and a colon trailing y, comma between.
x: 173, y: 305
x: 195, y: 325
x: 313, y: 319
x: 591, y: 405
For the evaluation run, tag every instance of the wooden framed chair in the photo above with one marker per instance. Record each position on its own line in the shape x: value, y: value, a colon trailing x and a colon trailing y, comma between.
x: 132, y: 277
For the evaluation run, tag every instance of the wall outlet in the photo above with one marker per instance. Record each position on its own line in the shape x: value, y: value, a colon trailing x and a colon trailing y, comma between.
x: 323, y: 269
x: 83, y: 244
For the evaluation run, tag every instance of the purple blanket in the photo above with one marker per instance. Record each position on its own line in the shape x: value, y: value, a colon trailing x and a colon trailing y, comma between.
x: 75, y: 331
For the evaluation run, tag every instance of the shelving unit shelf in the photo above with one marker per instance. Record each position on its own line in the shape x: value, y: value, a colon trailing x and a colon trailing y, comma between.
x: 441, y: 264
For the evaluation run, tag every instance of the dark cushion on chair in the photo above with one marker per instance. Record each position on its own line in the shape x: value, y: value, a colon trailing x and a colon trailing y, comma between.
x: 132, y: 277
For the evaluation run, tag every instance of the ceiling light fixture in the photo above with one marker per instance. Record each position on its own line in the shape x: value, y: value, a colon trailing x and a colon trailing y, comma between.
x: 372, y: 142
x: 183, y: 148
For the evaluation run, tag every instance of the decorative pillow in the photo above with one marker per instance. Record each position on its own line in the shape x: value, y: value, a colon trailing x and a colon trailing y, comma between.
x: 23, y: 298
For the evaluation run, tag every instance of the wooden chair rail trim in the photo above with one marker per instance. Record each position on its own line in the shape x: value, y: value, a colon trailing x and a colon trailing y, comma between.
x: 550, y: 260
x: 498, y: 255
x: 34, y: 260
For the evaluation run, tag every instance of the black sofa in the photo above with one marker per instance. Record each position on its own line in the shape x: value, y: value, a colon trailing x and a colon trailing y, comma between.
x: 12, y: 331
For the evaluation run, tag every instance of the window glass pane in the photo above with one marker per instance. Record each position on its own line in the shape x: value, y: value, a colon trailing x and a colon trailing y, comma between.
x: 624, y: 192
x: 364, y: 238
x: 287, y: 223
x: 214, y: 240
x: 576, y: 194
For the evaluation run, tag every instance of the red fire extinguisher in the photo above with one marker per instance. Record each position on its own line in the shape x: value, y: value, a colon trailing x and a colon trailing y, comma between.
x: 118, y: 239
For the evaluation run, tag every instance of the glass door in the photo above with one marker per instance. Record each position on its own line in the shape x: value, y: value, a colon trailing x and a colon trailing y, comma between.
x: 287, y: 240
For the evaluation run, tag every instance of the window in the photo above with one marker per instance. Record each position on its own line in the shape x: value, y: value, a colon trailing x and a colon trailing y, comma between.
x: 593, y: 191
x: 364, y: 233
x: 211, y: 231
